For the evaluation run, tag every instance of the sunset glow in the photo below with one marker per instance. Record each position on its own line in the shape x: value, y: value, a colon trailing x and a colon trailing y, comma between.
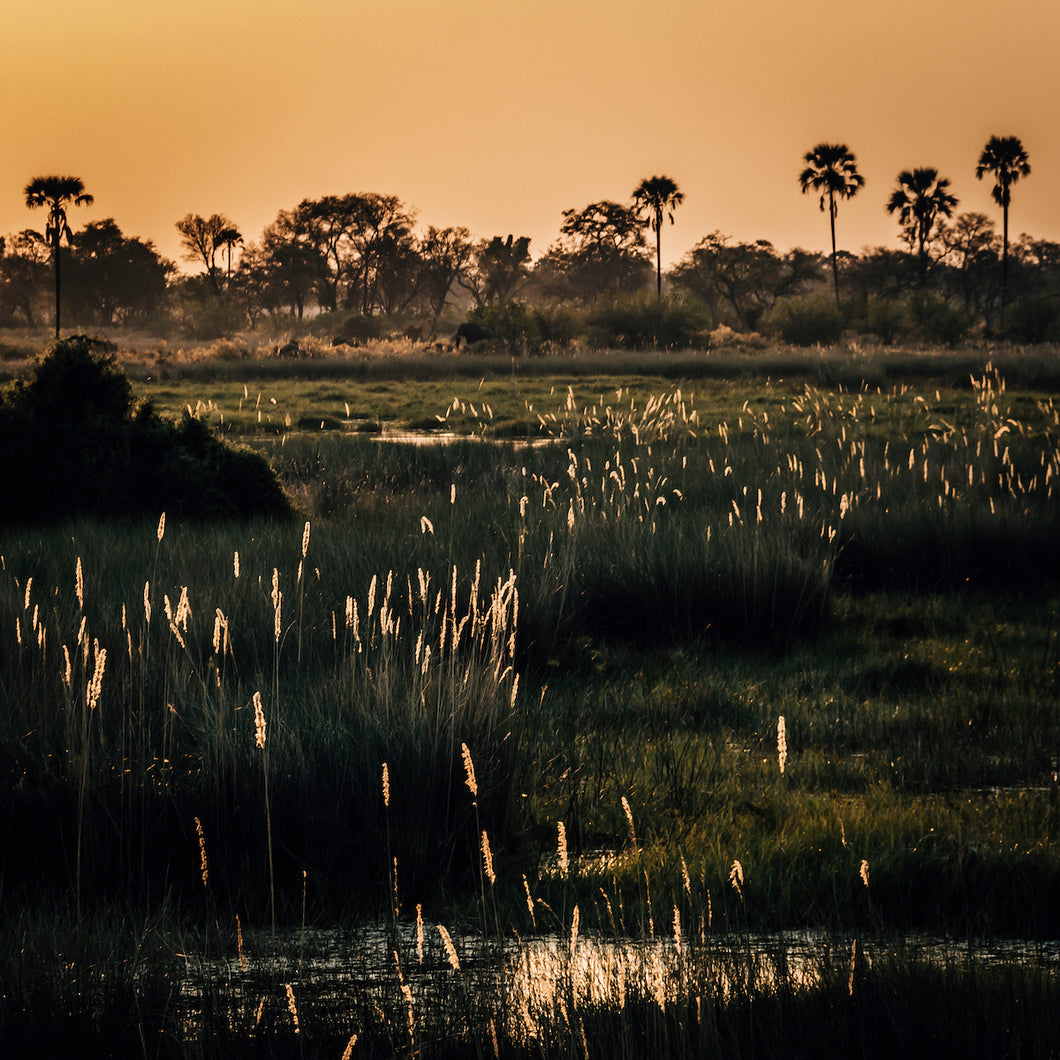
x: 500, y: 116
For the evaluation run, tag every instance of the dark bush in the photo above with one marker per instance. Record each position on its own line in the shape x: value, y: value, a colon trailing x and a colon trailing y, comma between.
x: 1035, y: 320
x: 74, y: 442
x: 938, y: 321
x: 809, y: 321
x: 887, y: 319
x: 642, y: 322
x: 359, y: 328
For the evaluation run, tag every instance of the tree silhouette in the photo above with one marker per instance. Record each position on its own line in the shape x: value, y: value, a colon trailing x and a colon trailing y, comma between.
x: 227, y: 239
x: 1006, y: 158
x: 657, y: 196
x: 831, y: 171
x: 57, y: 193
x: 920, y: 199
x: 200, y: 238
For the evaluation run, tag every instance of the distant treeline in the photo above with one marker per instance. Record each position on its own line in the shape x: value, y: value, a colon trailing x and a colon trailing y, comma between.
x: 357, y: 266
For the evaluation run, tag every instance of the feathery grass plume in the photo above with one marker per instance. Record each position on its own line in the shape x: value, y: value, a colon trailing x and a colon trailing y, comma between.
x: 419, y: 933
x: 450, y: 949
x: 736, y: 878
x: 258, y: 1013
x: 347, y: 1053
x: 204, y: 868
x: 235, y: 563
x: 529, y: 901
x: 561, y: 848
x: 259, y: 721
x: 629, y: 818
x: 386, y: 785
x: 575, y: 921
x: 426, y: 526
x: 95, y: 686
x: 79, y: 584
x: 853, y: 965
x: 305, y: 540
x: 292, y: 1007
x: 686, y: 880
x: 677, y: 925
x: 183, y: 609
x: 67, y: 673
x: 863, y: 872
x: 161, y: 531
x: 782, y: 742
x: 147, y: 603
x: 469, y: 771
x: 29, y: 588
x: 220, y: 633
x: 487, y: 858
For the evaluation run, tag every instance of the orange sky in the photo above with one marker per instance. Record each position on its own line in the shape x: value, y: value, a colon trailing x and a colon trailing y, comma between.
x: 498, y: 115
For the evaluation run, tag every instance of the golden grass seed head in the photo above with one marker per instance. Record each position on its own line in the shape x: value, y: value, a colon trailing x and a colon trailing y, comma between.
x: 469, y: 770
x: 259, y: 722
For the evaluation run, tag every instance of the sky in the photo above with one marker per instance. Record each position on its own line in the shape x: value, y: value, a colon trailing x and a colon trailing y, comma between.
x: 498, y: 116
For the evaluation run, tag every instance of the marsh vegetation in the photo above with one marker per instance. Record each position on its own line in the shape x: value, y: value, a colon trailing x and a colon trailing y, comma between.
x: 725, y: 656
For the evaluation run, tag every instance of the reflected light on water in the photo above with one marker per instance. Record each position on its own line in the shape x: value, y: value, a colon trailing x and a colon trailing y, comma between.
x: 527, y: 981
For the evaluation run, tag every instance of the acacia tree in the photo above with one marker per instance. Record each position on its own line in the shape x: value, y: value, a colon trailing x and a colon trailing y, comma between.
x: 497, y: 270
x: 920, y: 199
x: 601, y: 249
x: 201, y: 239
x: 655, y: 197
x: 831, y: 171
x: 1006, y: 158
x: 56, y: 193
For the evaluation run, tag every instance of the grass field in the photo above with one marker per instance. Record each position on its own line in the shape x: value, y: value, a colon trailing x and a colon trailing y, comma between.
x: 729, y: 652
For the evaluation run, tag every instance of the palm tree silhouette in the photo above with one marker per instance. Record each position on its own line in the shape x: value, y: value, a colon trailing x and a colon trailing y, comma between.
x: 919, y: 200
x: 657, y: 196
x: 831, y: 171
x: 1006, y: 158
x: 228, y: 238
x: 56, y: 193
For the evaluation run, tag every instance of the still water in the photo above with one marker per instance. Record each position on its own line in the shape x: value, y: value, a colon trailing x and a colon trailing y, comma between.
x: 321, y: 973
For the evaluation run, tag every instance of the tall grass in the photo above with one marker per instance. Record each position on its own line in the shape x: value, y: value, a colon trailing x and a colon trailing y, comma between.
x: 596, y: 638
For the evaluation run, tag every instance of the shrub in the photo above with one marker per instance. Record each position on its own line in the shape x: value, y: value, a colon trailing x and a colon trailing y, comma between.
x: 809, y: 321
x: 556, y: 326
x: 358, y: 327
x: 1035, y: 320
x: 74, y: 442
x: 645, y: 321
x: 509, y: 320
x: 938, y: 321
x: 887, y: 319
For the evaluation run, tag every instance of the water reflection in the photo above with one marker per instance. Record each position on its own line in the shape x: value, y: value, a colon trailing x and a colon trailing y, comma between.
x: 405, y: 968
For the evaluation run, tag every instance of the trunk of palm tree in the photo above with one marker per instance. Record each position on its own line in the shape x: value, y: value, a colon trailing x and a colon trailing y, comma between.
x: 658, y: 255
x: 1004, y: 268
x: 58, y: 296
x: 835, y: 263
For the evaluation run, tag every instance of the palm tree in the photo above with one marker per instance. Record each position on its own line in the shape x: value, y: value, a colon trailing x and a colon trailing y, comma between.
x: 1006, y: 158
x: 657, y: 196
x: 228, y: 238
x: 920, y: 199
x: 56, y: 193
x: 831, y: 171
